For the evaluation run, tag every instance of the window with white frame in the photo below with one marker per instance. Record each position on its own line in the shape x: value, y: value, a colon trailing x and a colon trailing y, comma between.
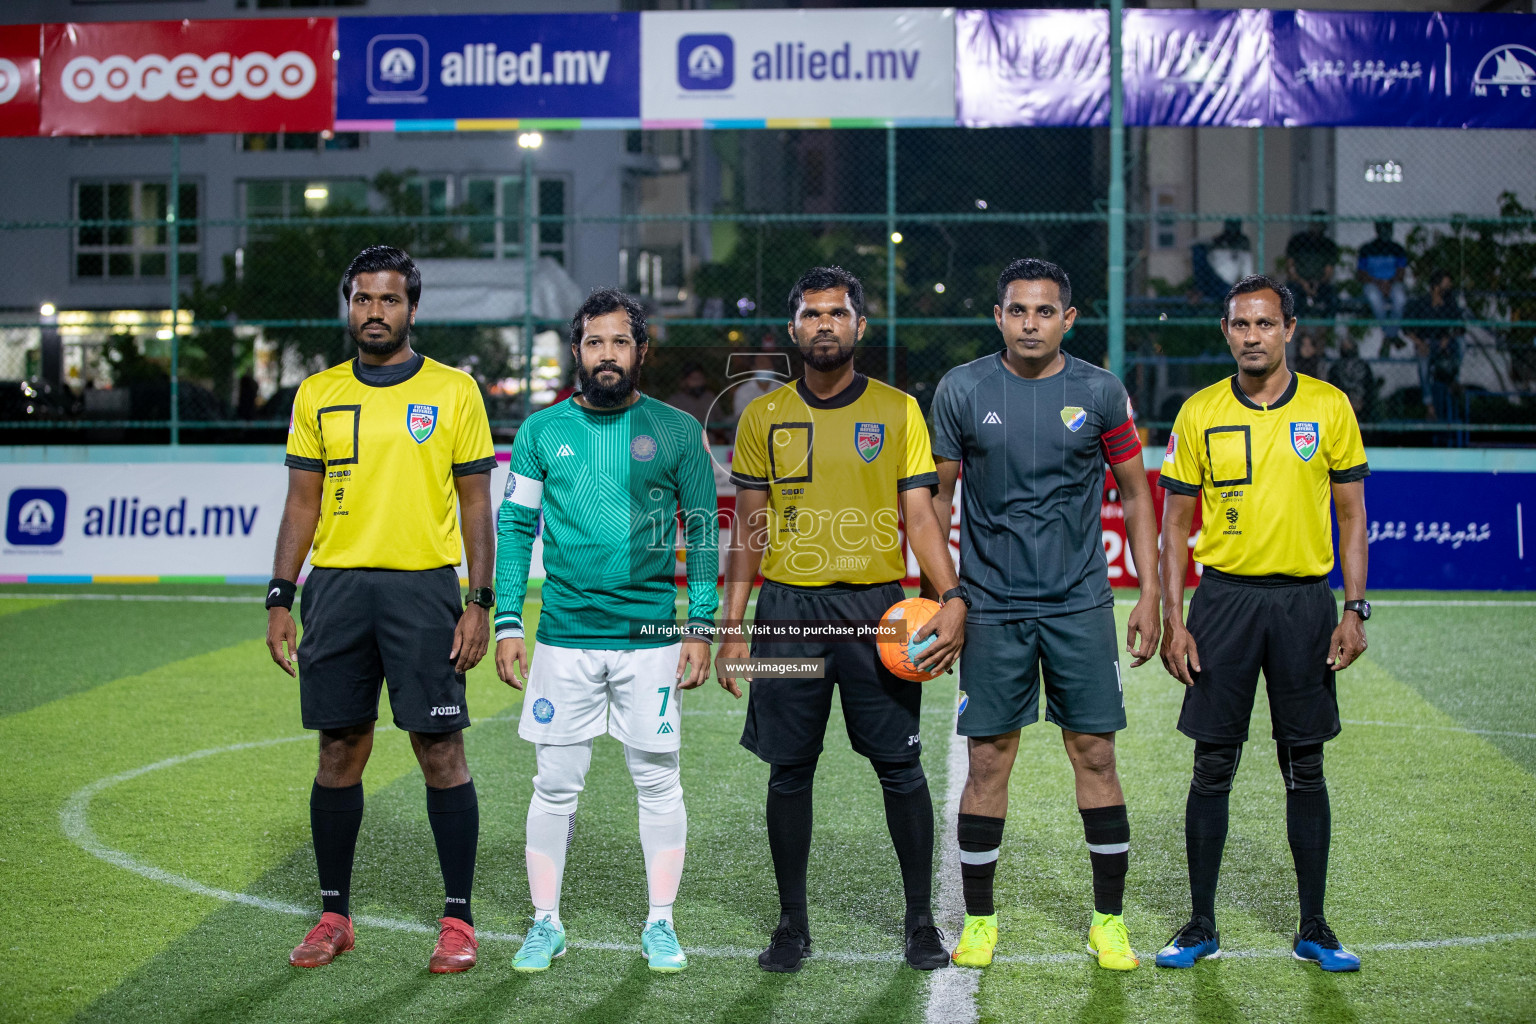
x: 133, y: 251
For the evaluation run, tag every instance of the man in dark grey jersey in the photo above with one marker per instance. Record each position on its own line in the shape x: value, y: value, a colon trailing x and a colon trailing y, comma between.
x: 1033, y: 428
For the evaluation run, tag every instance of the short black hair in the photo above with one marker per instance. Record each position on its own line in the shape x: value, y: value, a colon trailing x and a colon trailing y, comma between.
x: 820, y: 279
x: 603, y: 301
x: 1259, y: 283
x: 1439, y: 274
x: 383, y: 257
x: 1031, y: 269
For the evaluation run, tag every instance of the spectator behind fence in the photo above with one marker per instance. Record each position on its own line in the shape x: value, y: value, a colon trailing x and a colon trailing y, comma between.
x: 1438, y: 349
x: 1352, y: 375
x: 1308, y: 358
x: 693, y: 395
x: 1380, y: 270
x: 1231, y: 253
x: 764, y: 379
x: 1310, y: 256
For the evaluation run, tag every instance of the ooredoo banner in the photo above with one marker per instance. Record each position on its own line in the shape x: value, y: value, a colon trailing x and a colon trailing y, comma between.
x: 20, y: 51
x: 754, y: 68
x: 185, y: 77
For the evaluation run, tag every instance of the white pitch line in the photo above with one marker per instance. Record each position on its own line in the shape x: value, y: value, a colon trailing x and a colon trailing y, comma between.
x: 1442, y: 728
x: 73, y: 820
x: 952, y: 990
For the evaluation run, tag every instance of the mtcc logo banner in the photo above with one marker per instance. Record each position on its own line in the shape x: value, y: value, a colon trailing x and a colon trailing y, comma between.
x: 190, y: 76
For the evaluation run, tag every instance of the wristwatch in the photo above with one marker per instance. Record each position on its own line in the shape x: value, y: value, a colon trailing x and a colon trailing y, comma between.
x: 482, y: 596
x: 961, y: 592
x: 1361, y: 608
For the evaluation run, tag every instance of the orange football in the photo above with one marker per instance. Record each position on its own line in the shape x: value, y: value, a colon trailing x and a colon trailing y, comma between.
x: 901, y: 658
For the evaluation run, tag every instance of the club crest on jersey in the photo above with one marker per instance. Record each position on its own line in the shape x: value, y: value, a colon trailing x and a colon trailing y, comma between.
x: 643, y: 448
x: 1074, y: 416
x: 421, y: 420
x: 869, y: 438
x: 1304, y: 440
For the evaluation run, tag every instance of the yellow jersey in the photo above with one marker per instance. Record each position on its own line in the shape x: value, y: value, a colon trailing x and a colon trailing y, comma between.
x: 1264, y: 474
x: 390, y: 453
x: 834, y: 471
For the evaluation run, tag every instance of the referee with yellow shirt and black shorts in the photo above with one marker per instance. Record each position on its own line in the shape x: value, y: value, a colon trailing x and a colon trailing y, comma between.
x: 825, y: 467
x: 1262, y: 453
x: 386, y: 453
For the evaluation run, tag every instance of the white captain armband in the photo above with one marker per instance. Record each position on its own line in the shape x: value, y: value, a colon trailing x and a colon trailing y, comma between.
x: 524, y: 491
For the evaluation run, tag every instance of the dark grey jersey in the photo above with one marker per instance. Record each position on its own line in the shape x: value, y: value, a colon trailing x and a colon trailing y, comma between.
x: 1032, y: 455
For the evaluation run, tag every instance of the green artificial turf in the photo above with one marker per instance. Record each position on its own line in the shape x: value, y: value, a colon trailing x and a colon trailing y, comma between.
x: 1433, y: 843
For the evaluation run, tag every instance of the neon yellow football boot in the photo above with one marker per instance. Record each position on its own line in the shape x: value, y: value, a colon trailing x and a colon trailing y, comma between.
x: 977, y: 940
x: 1109, y: 941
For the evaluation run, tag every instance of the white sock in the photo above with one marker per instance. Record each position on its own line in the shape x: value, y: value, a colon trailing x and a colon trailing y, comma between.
x: 549, y: 836
x: 663, y: 825
x: 664, y: 838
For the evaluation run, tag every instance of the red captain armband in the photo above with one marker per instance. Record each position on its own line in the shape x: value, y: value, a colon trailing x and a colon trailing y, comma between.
x: 1121, y: 444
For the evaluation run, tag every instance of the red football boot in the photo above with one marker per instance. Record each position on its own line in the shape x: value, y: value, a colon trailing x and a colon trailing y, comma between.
x: 456, y: 947
x: 324, y: 943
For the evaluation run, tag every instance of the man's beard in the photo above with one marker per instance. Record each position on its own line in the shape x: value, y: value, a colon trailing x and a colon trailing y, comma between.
x: 380, y: 348
x: 825, y: 362
x: 607, y: 396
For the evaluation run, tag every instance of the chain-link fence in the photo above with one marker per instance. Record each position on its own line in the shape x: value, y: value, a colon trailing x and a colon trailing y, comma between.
x: 1415, y: 275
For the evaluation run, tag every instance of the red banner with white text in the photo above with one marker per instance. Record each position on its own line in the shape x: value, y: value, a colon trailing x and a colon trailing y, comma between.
x: 188, y: 77
x: 20, y: 50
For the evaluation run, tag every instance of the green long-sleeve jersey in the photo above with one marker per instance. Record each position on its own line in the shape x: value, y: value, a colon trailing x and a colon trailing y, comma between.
x: 610, y: 485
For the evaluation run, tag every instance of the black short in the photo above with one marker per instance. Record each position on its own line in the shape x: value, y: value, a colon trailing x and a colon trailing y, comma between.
x: 363, y: 626
x: 1241, y: 625
x: 787, y: 718
x: 1001, y: 665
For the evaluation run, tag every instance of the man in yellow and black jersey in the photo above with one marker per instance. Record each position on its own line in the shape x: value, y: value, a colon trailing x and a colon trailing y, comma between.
x: 826, y: 467
x: 386, y: 454
x: 1263, y: 453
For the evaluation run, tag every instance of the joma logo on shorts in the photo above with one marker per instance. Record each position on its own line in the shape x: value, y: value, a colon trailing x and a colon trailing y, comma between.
x: 912, y: 741
x: 446, y: 709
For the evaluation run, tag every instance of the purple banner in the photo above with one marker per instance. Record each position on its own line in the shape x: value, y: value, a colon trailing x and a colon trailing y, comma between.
x: 1360, y: 68
x: 1034, y: 67
x: 1197, y: 67
x: 1493, y: 81
x: 1249, y: 68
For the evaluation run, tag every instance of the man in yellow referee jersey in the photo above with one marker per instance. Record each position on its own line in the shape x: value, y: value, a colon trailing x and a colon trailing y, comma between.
x: 825, y: 467
x: 1262, y: 453
x: 386, y: 452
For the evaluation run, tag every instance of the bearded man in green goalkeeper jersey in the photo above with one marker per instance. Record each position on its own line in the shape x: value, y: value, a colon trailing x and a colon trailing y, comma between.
x: 609, y: 469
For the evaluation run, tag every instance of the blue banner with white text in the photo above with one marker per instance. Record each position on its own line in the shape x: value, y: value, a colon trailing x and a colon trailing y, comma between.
x: 1449, y: 531
x: 1035, y: 67
x: 1248, y: 68
x: 467, y: 67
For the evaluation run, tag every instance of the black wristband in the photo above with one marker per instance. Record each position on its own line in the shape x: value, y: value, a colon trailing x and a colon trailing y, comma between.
x: 280, y: 593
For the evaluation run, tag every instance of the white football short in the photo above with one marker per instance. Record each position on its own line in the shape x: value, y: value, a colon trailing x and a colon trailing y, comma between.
x: 575, y: 695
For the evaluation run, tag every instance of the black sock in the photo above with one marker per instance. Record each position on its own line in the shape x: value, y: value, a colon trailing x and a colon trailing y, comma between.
x: 909, y: 817
x: 789, y: 836
x: 455, y: 817
x: 1108, y: 832
x: 1309, y: 825
x: 335, y: 815
x: 980, y: 837
x: 1205, y: 836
